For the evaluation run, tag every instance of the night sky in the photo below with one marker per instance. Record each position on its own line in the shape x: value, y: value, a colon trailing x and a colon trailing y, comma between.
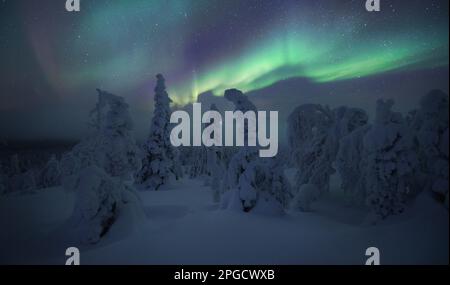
x: 51, y: 60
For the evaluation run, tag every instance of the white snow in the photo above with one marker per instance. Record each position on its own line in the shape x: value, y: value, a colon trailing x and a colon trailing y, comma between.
x: 183, y: 226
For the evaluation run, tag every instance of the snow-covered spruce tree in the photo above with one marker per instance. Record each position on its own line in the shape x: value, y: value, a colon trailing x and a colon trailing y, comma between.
x: 191, y: 160
x: 214, y: 164
x: 430, y: 126
x: 312, y: 149
x: 111, y: 147
x: 238, y: 163
x: 351, y: 163
x: 96, y: 170
x: 244, y: 155
x: 100, y: 201
x: 158, y: 166
x: 121, y: 157
x: 252, y: 183
x: 216, y: 169
x: 349, y: 130
x: 262, y: 188
x: 51, y: 174
x: 391, y: 163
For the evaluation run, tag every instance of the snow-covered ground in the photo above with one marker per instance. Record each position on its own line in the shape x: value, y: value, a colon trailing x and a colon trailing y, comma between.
x: 183, y: 226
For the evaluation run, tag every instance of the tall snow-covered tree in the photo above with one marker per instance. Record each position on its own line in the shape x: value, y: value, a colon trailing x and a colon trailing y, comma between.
x: 245, y: 155
x: 98, y: 168
x: 237, y: 166
x: 312, y: 149
x: 391, y: 162
x: 111, y: 147
x: 214, y: 164
x: 351, y: 163
x: 158, y: 166
x: 252, y: 183
x: 430, y: 126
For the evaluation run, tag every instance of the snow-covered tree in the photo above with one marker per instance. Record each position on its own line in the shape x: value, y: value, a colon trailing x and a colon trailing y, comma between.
x: 100, y: 167
x: 158, y: 166
x: 391, y: 162
x: 252, y: 183
x: 51, y: 174
x: 244, y: 155
x: 262, y: 188
x: 351, y: 163
x: 346, y: 120
x: 120, y: 153
x: 241, y: 103
x: 216, y: 167
x: 237, y: 166
x: 280, y: 187
x: 112, y: 146
x: 100, y: 200
x: 240, y: 100
x: 214, y: 164
x: 314, y: 133
x: 312, y: 149
x: 430, y: 125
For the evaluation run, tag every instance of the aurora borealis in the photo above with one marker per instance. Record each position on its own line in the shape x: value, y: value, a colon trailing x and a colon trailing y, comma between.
x: 208, y: 45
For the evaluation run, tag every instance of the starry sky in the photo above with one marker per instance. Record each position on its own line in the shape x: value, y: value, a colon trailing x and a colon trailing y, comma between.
x: 52, y: 60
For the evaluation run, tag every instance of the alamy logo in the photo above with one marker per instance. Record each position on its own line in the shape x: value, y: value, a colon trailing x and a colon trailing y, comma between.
x: 251, y: 128
x: 74, y: 256
x: 73, y: 5
x: 374, y: 256
x: 373, y: 5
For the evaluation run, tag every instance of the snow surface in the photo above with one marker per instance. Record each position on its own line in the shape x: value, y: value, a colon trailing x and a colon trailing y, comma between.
x: 183, y: 226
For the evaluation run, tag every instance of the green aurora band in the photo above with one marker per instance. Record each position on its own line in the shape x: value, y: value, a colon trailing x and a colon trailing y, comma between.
x: 130, y: 41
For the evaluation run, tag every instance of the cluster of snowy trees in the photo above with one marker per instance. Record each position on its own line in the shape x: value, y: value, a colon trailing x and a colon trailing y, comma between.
x: 314, y: 134
x: 386, y: 164
x: 22, y: 176
x: 382, y: 164
x: 250, y: 183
